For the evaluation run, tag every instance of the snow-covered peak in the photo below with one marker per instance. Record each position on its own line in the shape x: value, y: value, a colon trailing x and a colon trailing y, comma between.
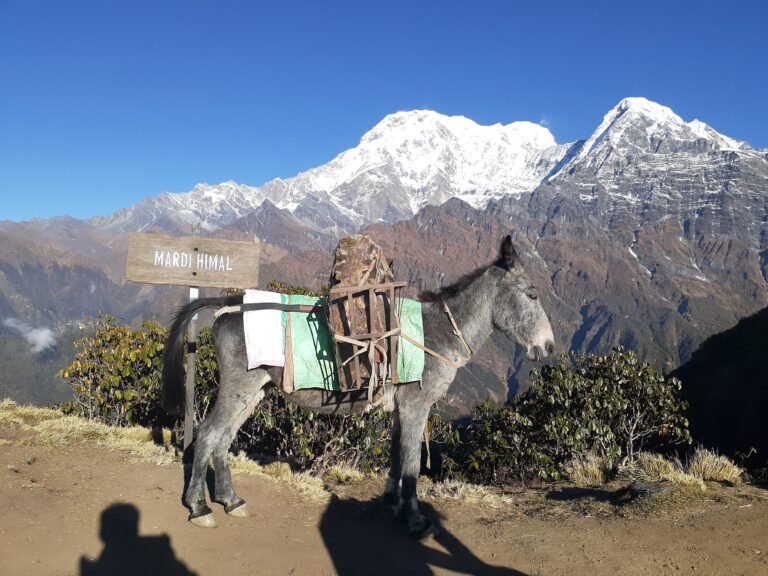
x: 707, y: 132
x: 642, y: 106
x: 438, y: 156
x: 639, y: 126
x: 412, y: 125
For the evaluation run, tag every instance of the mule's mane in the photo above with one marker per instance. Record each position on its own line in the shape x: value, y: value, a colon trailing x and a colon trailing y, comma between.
x: 454, y: 289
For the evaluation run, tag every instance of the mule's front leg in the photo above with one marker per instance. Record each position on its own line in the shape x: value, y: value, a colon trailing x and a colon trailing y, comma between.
x: 412, y: 422
x: 392, y: 491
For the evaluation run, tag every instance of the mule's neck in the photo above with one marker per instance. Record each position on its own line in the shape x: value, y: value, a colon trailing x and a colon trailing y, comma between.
x: 472, y: 311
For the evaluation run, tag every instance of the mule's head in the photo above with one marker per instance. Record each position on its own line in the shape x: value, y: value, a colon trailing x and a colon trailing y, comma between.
x: 517, y: 310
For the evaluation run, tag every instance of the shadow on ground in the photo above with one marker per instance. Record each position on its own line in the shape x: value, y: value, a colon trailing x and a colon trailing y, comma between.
x: 126, y: 553
x: 573, y: 493
x: 365, y: 538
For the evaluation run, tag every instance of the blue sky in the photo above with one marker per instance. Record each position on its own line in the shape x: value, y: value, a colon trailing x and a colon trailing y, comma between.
x: 105, y: 102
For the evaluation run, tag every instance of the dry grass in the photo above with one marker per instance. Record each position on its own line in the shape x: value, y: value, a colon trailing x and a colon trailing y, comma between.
x: 25, y: 416
x: 709, y: 466
x: 452, y: 490
x: 137, y: 441
x: 344, y: 475
x: 704, y: 466
x: 685, y: 496
x: 50, y: 427
x: 308, y: 486
x: 588, y: 470
x: 650, y: 467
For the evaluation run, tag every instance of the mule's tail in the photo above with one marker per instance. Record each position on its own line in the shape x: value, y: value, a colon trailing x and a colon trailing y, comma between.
x: 174, y: 396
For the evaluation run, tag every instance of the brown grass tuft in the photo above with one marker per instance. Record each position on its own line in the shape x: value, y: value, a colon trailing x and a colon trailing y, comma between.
x: 454, y: 490
x: 588, y: 470
x: 707, y: 465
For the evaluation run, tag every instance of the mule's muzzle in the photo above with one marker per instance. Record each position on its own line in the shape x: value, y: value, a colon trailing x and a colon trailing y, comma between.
x: 539, y: 353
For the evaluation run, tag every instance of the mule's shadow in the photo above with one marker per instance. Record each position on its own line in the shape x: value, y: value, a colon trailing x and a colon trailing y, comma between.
x: 126, y: 553
x: 365, y: 538
x: 574, y: 493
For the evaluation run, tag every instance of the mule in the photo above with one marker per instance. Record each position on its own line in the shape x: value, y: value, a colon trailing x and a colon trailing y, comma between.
x: 499, y: 296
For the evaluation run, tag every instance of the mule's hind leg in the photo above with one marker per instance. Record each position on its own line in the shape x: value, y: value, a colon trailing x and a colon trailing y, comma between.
x: 237, y: 398
x: 224, y: 492
x: 194, y: 495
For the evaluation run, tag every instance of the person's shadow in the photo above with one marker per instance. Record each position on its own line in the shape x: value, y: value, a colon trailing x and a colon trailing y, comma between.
x: 365, y: 538
x: 126, y: 553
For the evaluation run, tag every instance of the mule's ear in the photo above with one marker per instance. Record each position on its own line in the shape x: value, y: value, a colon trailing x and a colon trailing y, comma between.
x: 508, y: 253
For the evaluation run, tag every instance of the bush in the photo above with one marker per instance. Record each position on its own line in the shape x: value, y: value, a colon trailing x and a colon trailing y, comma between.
x: 116, y: 374
x: 613, y: 405
x: 610, y: 406
x: 499, y: 446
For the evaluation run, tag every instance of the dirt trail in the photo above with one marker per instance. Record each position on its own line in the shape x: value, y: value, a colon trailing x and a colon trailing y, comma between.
x: 52, y: 502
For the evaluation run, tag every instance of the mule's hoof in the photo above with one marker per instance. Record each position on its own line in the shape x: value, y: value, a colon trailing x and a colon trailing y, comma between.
x: 204, y: 521
x: 239, y: 509
x: 424, y: 529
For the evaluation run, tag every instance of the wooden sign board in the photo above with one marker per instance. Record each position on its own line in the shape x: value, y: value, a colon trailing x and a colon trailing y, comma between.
x: 192, y: 261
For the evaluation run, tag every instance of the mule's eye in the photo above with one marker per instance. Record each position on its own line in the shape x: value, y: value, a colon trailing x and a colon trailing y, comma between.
x: 533, y: 295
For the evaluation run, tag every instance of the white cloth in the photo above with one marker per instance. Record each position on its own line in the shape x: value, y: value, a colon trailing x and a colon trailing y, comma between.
x: 264, y: 332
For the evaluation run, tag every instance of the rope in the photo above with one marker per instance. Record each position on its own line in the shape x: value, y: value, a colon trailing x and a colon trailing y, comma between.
x: 456, y: 330
x: 369, y: 346
x: 429, y: 351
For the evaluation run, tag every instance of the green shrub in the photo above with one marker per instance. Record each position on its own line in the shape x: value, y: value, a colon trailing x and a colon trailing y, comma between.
x: 115, y: 376
x: 501, y: 445
x: 611, y: 406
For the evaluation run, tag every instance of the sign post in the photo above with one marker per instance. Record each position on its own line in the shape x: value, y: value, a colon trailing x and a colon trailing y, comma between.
x: 189, y: 409
x: 194, y: 262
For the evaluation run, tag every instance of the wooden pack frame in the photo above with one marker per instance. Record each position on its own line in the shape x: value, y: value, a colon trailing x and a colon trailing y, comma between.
x: 366, y: 347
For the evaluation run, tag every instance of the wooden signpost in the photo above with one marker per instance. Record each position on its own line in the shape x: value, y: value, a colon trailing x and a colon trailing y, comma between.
x: 195, y: 262
x: 192, y: 261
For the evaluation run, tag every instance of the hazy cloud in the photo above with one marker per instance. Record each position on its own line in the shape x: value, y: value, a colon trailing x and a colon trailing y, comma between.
x: 39, y: 339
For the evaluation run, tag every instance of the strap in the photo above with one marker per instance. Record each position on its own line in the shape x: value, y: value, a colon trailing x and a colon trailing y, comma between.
x: 255, y: 306
x: 428, y: 351
x: 456, y: 330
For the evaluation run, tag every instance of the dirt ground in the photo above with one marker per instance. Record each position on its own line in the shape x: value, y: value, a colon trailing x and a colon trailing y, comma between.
x: 70, y: 511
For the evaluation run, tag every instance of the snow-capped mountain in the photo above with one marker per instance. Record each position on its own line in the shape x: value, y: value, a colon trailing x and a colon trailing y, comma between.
x: 405, y: 162
x: 644, y: 164
x: 413, y: 159
x: 637, y: 127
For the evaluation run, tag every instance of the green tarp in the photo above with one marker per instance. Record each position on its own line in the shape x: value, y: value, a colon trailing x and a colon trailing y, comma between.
x: 314, y: 364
